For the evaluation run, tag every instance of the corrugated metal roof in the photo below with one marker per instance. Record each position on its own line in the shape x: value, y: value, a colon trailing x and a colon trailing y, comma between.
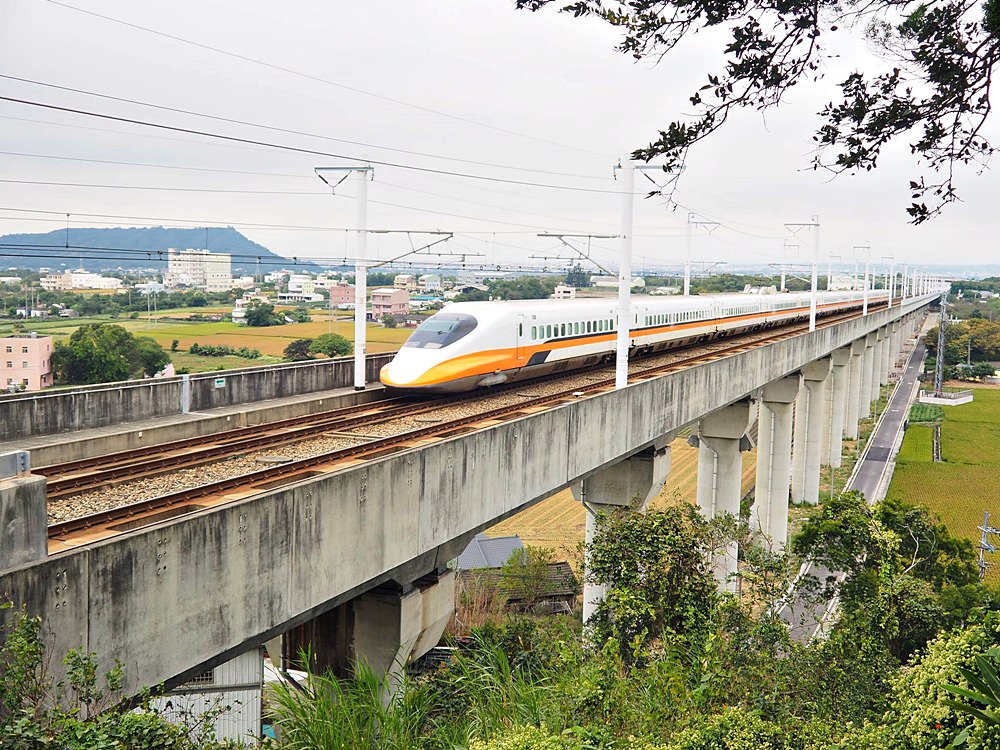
x: 488, y: 552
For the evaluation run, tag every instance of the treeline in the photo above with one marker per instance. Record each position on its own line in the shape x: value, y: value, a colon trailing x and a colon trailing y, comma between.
x: 113, y: 304
x: 223, y: 350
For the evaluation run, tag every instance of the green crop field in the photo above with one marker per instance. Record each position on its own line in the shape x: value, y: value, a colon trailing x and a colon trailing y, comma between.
x: 967, y: 480
x: 918, y: 445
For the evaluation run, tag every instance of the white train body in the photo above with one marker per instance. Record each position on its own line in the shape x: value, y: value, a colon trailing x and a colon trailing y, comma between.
x: 469, y: 345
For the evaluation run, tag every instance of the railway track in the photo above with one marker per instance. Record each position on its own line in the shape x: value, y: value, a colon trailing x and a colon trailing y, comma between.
x: 145, y: 512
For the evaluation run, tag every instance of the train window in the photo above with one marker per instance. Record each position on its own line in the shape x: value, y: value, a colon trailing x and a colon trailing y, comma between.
x: 534, y: 332
x: 562, y: 329
x: 576, y: 328
x: 520, y: 329
x: 548, y: 332
x: 440, y: 330
x: 588, y: 327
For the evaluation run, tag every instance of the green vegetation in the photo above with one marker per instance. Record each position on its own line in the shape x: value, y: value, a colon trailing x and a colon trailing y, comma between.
x: 670, y: 664
x: 80, y: 713
x: 261, y: 314
x: 103, y: 353
x: 332, y: 345
x: 925, y: 413
x: 222, y: 350
x: 918, y: 445
x: 967, y: 481
x: 298, y: 350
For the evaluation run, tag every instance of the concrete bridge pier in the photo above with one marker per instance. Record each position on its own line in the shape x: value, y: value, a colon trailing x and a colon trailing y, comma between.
x: 808, y: 438
x: 23, y: 512
x: 889, y: 355
x: 631, y: 483
x: 895, y: 346
x: 867, y: 376
x: 720, y: 471
x: 840, y: 361
x: 385, y: 628
x: 854, y: 383
x: 769, y: 514
x: 882, y: 363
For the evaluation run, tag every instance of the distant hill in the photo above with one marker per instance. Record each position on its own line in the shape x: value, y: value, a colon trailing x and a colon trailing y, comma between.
x: 154, y: 240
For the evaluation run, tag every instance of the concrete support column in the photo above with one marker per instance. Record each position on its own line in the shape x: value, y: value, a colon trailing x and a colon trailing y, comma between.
x: 809, y: 432
x: 888, y: 355
x: 769, y: 514
x: 877, y: 359
x: 631, y: 483
x: 385, y: 628
x: 837, y: 409
x: 867, y: 373
x: 391, y: 626
x: 824, y: 456
x: 854, y: 382
x: 720, y: 471
x: 895, y: 345
x: 23, y: 512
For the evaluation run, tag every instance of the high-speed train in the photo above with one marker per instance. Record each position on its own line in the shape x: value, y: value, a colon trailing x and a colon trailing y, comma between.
x: 469, y: 345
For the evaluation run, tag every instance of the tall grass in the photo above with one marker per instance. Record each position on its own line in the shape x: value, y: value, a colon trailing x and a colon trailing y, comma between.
x: 335, y: 714
x: 479, y: 695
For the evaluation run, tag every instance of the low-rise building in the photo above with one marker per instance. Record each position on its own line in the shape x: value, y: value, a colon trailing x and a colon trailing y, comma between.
x: 405, y: 281
x: 564, y: 291
x: 612, y: 281
x: 240, y: 305
x: 390, y: 302
x: 26, y: 361
x: 340, y: 293
x: 291, y: 297
x: 10, y: 280
x: 429, y: 282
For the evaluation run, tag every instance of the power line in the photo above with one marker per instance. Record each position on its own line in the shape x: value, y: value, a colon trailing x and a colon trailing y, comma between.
x: 290, y: 131
x: 302, y: 150
x: 256, y: 192
x: 271, y: 174
x: 155, y: 166
x: 326, y: 81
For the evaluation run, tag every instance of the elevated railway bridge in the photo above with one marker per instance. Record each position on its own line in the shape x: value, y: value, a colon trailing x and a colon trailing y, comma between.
x: 346, y: 543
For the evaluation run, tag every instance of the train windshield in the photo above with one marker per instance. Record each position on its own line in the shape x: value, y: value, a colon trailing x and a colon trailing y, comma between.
x: 440, y: 330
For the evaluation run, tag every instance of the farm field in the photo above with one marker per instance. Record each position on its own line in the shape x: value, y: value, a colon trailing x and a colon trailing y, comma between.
x: 270, y: 341
x: 967, y: 481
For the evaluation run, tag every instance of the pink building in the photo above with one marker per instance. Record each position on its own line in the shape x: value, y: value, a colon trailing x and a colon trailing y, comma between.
x: 390, y: 302
x: 26, y: 360
x: 340, y: 294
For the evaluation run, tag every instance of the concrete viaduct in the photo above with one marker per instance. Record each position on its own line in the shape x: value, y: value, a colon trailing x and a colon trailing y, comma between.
x: 357, y: 560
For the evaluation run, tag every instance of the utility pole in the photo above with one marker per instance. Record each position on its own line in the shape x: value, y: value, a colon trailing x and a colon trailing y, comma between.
x: 691, y: 223
x: 785, y: 247
x: 625, y: 275
x: 829, y: 270
x: 985, y: 544
x: 363, y: 174
x: 794, y: 228
x: 867, y: 248
x: 939, y: 363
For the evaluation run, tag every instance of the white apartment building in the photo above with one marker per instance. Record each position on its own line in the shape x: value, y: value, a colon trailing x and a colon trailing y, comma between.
x: 429, y: 282
x: 405, y: 281
x: 200, y: 268
x: 301, y: 283
x: 80, y: 279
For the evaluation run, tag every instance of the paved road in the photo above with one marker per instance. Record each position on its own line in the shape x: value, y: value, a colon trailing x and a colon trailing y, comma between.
x: 869, y: 474
x: 805, y: 617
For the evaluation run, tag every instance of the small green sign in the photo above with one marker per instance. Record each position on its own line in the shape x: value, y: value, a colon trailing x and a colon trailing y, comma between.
x: 220, y: 382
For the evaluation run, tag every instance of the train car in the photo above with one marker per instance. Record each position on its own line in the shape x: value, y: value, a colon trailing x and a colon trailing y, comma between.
x: 470, y: 345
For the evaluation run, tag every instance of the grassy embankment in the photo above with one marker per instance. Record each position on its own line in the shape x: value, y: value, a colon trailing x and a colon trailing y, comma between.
x: 967, y: 481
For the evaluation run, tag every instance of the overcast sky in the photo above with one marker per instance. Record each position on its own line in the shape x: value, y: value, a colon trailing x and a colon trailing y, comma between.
x: 543, y: 92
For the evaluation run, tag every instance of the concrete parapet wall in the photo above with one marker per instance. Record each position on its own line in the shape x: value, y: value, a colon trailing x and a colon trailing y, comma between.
x: 172, y: 599
x: 24, y: 415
